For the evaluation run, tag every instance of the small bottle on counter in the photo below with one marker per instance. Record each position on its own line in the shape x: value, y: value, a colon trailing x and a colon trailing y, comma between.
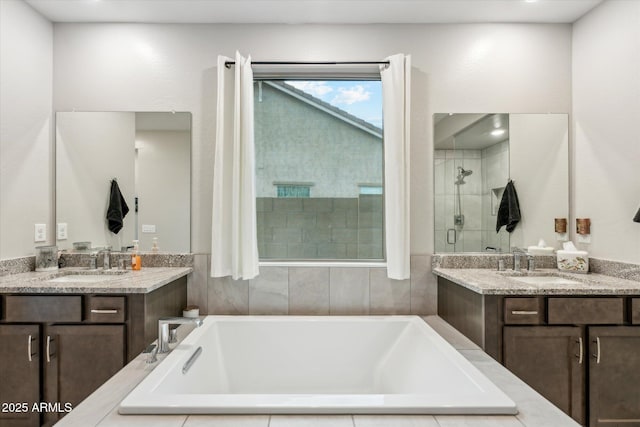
x: 135, y: 258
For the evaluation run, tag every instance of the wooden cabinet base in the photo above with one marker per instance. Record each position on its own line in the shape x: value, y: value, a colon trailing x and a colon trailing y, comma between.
x: 551, y: 360
x: 19, y: 375
x: 72, y: 345
x: 614, y: 376
x: 559, y: 346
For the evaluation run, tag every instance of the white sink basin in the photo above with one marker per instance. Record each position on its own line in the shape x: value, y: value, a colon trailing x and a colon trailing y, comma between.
x: 84, y: 278
x: 546, y: 280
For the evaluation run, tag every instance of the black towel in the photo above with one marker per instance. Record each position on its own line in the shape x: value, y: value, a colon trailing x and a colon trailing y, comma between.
x: 117, y: 209
x: 509, y: 210
x: 637, y: 217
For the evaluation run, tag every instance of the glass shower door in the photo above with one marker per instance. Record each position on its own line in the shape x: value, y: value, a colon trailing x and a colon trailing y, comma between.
x: 471, y: 163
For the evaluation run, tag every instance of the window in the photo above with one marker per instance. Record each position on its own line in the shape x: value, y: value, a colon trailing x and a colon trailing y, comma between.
x: 294, y: 190
x: 328, y: 133
x: 370, y: 189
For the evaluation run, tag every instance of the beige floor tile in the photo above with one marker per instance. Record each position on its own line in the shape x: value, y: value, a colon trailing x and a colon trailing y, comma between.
x: 394, y: 421
x: 478, y: 421
x: 227, y: 421
x: 311, y: 421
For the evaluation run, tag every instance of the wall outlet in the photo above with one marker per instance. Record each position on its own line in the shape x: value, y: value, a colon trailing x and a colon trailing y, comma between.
x: 148, y: 228
x: 583, y: 238
x: 40, y: 234
x: 62, y: 231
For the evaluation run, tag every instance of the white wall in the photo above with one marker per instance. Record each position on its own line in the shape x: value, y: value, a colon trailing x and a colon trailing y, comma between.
x: 606, y: 113
x: 162, y: 186
x: 457, y: 68
x: 538, y: 168
x: 26, y: 50
x: 93, y: 148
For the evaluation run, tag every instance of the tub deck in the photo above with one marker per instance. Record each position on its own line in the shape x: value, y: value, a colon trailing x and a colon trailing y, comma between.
x: 101, y: 408
x: 316, y: 365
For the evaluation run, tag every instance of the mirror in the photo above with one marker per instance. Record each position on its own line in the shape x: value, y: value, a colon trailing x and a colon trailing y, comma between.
x: 475, y: 155
x: 148, y: 154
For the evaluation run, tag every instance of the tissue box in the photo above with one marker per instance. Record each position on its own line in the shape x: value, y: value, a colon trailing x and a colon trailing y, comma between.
x: 537, y: 250
x: 574, y: 261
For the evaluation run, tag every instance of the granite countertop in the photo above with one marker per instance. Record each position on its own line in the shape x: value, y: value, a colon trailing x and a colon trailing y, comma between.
x: 115, y: 281
x: 491, y: 282
x: 101, y: 408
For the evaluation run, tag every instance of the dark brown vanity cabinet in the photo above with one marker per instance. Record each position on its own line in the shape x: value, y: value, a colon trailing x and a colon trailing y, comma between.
x: 582, y: 353
x: 614, y: 376
x: 551, y: 360
x: 77, y: 360
x: 58, y: 349
x: 19, y: 375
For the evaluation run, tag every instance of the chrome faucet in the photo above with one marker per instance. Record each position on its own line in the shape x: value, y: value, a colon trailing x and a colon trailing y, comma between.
x: 163, y: 329
x: 106, y: 260
x: 531, y: 263
x: 517, y: 257
x: 93, y: 261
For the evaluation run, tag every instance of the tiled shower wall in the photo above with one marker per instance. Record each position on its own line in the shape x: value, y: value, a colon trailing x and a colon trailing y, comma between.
x: 315, y: 291
x: 480, y: 197
x: 469, y: 236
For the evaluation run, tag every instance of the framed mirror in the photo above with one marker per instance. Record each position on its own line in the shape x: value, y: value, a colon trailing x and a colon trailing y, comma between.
x: 475, y: 156
x: 148, y: 154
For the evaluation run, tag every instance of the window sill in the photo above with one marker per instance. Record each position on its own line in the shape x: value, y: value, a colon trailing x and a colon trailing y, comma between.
x: 336, y: 263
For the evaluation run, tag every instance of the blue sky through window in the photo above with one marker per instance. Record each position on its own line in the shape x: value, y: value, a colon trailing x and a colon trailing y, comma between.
x: 362, y: 99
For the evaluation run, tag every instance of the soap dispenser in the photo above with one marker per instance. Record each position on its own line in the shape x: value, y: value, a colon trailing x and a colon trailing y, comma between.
x: 135, y: 258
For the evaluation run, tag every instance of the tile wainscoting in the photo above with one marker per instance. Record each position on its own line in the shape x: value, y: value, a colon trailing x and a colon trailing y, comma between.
x: 315, y: 290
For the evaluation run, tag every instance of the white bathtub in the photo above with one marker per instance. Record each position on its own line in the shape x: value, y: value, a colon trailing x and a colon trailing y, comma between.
x: 316, y: 365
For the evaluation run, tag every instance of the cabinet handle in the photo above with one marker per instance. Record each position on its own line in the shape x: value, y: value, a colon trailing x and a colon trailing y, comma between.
x: 524, y: 312
x: 29, y: 339
x: 104, y: 311
x: 48, y: 348
x: 597, y: 355
x: 580, y: 351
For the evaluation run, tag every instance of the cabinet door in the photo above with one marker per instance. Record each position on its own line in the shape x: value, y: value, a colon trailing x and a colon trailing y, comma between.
x: 80, y: 358
x: 614, y: 376
x: 19, y: 374
x: 551, y: 361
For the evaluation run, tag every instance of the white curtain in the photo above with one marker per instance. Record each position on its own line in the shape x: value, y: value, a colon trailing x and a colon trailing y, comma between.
x: 234, y: 244
x: 396, y: 84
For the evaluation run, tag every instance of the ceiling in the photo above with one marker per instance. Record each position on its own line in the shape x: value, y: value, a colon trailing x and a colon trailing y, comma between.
x: 469, y: 131
x: 314, y: 11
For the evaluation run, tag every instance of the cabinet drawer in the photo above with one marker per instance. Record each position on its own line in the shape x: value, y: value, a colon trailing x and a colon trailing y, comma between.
x: 103, y: 309
x: 523, y: 311
x: 635, y: 311
x: 36, y: 308
x: 598, y: 311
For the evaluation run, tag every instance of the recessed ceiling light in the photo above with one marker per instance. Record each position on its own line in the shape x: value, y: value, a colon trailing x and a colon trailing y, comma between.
x: 530, y: 1
x: 497, y: 132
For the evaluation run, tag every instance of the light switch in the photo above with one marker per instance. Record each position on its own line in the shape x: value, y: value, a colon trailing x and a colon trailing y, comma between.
x: 40, y: 233
x: 148, y: 228
x: 62, y: 231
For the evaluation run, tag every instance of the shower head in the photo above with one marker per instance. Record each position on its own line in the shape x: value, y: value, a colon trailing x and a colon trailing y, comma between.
x: 462, y: 172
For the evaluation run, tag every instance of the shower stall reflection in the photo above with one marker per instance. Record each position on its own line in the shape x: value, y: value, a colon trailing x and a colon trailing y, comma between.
x: 471, y: 168
x: 458, y: 219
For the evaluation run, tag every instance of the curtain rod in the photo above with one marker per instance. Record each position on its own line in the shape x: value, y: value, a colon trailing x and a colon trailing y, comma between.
x: 228, y: 64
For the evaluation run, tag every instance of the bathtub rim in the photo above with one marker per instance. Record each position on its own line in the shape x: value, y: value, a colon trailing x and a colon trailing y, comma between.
x: 342, y: 403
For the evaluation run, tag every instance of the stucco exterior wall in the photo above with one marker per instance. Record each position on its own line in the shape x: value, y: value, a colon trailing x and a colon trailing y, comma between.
x: 297, y: 142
